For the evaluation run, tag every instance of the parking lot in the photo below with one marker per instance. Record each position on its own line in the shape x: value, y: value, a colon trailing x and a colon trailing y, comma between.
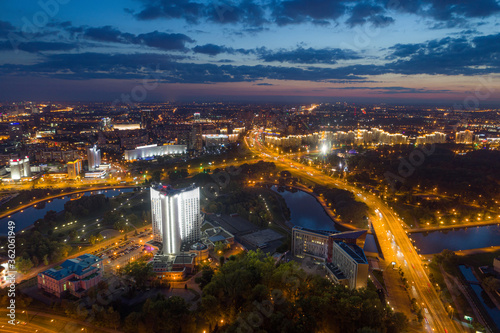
x: 121, y: 253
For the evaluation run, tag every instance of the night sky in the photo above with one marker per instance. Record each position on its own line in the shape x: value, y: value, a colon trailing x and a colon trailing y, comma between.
x: 153, y: 50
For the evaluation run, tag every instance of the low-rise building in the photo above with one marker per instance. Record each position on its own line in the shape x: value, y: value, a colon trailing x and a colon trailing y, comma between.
x: 152, y: 151
x: 345, y: 261
x: 74, y: 276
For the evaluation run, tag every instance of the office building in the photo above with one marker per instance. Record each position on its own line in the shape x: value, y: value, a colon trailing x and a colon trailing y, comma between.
x: 74, y: 168
x: 176, y: 217
x: 74, y: 276
x: 105, y: 124
x: 196, y: 140
x: 146, y: 119
x: 342, y: 252
x: 20, y: 168
x: 15, y: 132
x: 94, y: 158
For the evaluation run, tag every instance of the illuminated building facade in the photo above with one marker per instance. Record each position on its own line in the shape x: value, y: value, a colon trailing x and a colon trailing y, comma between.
x: 74, y: 168
x: 94, y: 158
x: 345, y: 261
x: 464, y: 137
x: 75, y: 276
x: 15, y: 131
x: 151, y: 151
x: 176, y: 217
x: 20, y: 168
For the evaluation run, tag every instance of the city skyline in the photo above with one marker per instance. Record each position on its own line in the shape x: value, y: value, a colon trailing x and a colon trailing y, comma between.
x: 152, y: 50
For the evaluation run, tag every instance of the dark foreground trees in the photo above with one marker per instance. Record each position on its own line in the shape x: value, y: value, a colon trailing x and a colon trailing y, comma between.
x: 251, y: 294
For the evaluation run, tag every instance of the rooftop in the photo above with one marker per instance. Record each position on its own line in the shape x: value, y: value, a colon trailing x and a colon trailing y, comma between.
x: 169, y: 190
x: 78, y: 266
x: 354, y: 251
x: 183, y: 260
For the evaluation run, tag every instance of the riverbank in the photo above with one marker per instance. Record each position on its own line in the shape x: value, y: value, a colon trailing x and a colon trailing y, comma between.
x: 320, y: 200
x: 453, y: 227
x: 55, y: 196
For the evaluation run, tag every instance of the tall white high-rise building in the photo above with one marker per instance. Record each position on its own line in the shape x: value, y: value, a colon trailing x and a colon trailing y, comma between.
x: 94, y: 157
x: 175, y: 215
x: 20, y: 168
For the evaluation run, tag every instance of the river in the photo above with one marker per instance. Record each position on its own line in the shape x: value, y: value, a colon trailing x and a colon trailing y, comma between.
x: 307, y: 212
x: 457, y: 239
x: 28, y: 216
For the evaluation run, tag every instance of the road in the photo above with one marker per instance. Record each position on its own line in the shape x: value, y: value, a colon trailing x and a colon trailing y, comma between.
x: 394, y: 241
x: 30, y: 327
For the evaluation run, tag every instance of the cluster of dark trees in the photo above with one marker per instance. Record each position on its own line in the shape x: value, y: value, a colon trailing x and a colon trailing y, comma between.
x: 33, y: 249
x: 345, y: 205
x: 251, y: 293
x: 86, y: 204
x: 246, y: 204
x: 97, y: 315
x: 473, y: 176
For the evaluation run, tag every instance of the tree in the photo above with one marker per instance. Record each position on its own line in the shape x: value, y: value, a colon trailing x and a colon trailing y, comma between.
x: 23, y: 265
x: 140, y: 271
x: 219, y: 247
x: 172, y: 311
x: 291, y: 299
x: 206, y: 276
x: 156, y: 176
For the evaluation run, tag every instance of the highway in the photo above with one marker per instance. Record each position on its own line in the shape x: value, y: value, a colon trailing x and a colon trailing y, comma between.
x: 394, y: 241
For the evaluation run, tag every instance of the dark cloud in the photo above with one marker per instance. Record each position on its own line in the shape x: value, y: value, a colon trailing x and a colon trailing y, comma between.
x: 255, y: 13
x: 6, y: 28
x: 448, y: 56
x: 131, y: 66
x: 251, y: 13
x: 210, y: 49
x: 307, y: 56
x: 396, y: 90
x: 188, y: 10
x: 245, y: 12
x: 363, y: 13
x: 34, y: 47
x: 451, y: 12
x: 108, y: 34
x: 164, y: 41
x: 155, y: 39
x: 264, y: 84
x: 298, y: 11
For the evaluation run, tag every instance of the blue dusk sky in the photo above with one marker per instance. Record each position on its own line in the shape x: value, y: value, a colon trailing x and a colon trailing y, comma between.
x: 429, y: 51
